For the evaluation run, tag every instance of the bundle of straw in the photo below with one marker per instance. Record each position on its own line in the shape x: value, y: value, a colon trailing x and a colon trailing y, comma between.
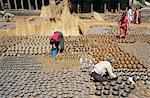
x: 65, y: 22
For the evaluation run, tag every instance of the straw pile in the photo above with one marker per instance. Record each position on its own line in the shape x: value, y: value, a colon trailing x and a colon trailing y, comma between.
x: 22, y: 27
x: 69, y: 22
x: 60, y: 19
x: 51, y: 11
x: 97, y: 16
x: 52, y: 18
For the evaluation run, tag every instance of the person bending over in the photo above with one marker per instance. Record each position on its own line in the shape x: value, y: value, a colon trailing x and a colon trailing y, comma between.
x: 102, y: 70
x: 57, y: 41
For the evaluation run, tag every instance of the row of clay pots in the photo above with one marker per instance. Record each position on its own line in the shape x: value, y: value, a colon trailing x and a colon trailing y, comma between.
x: 36, y: 80
x: 123, y: 59
x: 133, y: 38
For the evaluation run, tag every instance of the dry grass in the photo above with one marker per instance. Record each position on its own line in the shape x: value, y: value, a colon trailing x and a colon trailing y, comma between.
x: 69, y: 22
x: 52, y: 18
x: 97, y: 16
x: 22, y: 27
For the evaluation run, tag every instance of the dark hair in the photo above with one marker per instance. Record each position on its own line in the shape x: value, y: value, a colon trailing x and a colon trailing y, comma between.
x: 129, y: 7
x: 123, y: 16
x: 52, y: 41
x: 140, y: 7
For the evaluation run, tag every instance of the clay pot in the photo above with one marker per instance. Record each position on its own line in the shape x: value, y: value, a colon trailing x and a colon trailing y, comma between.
x: 139, y: 66
x: 124, y: 94
x: 107, y: 87
x: 116, y: 88
x: 128, y: 90
x: 104, y: 83
x: 124, y: 78
x: 131, y: 62
x: 132, y: 86
x: 134, y: 66
x: 112, y: 83
x: 119, y: 81
x: 99, y: 88
x: 97, y: 84
x: 122, y: 86
x: 129, y: 66
x: 115, y: 93
x: 98, y: 93
x: 106, y: 92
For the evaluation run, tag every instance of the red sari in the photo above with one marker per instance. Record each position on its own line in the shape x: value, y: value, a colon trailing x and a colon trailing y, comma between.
x: 123, y: 27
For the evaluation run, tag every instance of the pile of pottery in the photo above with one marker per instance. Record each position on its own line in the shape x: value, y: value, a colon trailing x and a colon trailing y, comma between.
x: 134, y: 38
x: 76, y: 47
x: 32, y: 45
x: 19, y: 63
x: 75, y: 39
x: 61, y: 84
x: 102, y: 46
x: 38, y: 45
x: 139, y: 31
x: 8, y: 41
x: 122, y: 87
x: 99, y: 47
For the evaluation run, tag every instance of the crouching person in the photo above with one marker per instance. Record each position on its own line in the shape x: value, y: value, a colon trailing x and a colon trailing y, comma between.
x: 102, y: 70
x: 57, y: 41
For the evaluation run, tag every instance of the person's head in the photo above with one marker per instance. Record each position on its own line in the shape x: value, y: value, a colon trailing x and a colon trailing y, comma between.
x: 124, y: 13
x: 112, y: 61
x: 140, y: 7
x: 129, y: 7
x: 52, y: 41
x: 55, y: 32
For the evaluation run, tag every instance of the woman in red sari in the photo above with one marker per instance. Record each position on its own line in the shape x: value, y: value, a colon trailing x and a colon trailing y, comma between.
x: 124, y: 24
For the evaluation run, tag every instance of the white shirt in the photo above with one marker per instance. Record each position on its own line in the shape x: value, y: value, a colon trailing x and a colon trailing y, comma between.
x: 130, y: 15
x: 102, y: 67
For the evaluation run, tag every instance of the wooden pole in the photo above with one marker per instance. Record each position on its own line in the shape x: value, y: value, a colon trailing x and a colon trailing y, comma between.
x: 36, y: 5
x: 42, y: 2
x: 22, y: 4
x: 105, y: 7
x: 126, y: 9
x: 29, y: 4
x: 118, y: 6
x: 78, y: 8
x: 8, y: 4
x: 15, y: 3
x: 2, y: 5
x: 91, y: 7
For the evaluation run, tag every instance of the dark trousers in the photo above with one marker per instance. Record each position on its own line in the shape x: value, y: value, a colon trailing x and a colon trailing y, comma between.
x: 99, y: 78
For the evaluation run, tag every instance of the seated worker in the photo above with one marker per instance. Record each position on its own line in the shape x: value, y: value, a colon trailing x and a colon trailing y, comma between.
x: 57, y: 41
x: 102, y: 70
